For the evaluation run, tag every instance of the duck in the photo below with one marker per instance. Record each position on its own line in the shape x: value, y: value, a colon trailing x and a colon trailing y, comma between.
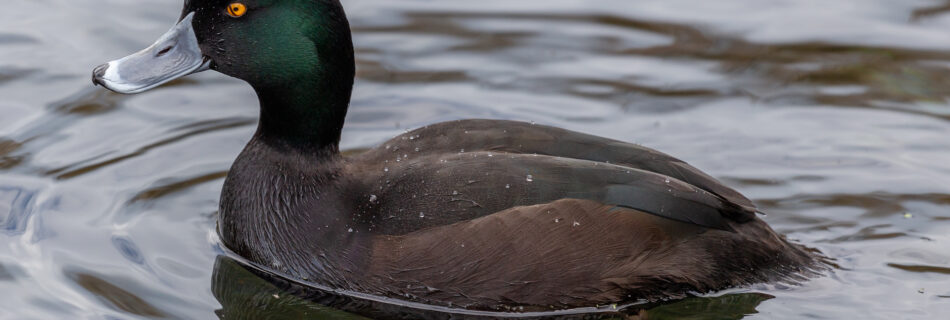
x: 476, y: 214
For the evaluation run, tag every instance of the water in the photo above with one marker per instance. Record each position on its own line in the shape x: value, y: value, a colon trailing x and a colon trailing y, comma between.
x: 831, y: 115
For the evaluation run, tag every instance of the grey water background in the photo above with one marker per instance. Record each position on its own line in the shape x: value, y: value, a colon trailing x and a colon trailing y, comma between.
x: 832, y: 115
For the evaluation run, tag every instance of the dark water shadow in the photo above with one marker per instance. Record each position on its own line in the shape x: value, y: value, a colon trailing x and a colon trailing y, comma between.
x: 873, y: 205
x: 7, y: 158
x: 172, y: 186
x: 920, y: 268
x: 875, y: 232
x: 245, y: 295
x: 12, y: 73
x: 927, y: 12
x: 113, y: 295
x: 14, y: 39
x: 9, y: 273
x: 732, y: 306
x: 248, y: 292
x: 88, y: 101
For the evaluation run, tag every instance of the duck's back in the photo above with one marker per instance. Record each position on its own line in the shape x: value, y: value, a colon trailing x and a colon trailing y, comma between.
x: 459, y: 170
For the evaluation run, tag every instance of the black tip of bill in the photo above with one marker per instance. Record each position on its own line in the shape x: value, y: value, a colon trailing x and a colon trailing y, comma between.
x: 98, y: 73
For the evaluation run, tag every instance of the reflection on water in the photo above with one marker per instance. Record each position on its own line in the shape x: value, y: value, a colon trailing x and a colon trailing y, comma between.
x: 245, y: 295
x: 114, y: 296
x: 920, y: 268
x: 732, y: 306
x: 832, y: 116
x: 5, y: 275
x: 6, y: 148
x: 249, y: 293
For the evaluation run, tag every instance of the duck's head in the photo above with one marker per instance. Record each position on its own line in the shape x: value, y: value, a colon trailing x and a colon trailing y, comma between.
x: 264, y: 42
x: 297, y: 54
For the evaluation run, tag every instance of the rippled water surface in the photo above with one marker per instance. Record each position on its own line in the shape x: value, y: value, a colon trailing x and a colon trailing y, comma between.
x: 832, y: 115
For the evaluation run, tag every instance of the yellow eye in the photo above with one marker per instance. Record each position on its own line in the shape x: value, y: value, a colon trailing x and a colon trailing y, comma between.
x: 237, y: 9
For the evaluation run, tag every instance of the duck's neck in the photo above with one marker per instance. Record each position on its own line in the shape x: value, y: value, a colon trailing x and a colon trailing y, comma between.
x: 307, y: 117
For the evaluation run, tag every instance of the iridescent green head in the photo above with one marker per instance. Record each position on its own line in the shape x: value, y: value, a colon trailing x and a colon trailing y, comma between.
x: 273, y: 42
x: 297, y: 54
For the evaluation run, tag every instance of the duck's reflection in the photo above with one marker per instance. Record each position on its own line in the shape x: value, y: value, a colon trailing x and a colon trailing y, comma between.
x: 245, y: 293
x: 248, y: 293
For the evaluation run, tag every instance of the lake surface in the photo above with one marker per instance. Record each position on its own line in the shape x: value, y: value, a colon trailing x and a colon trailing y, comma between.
x: 832, y: 115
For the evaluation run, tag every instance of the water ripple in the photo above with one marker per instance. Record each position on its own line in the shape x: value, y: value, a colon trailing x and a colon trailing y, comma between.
x: 84, y: 167
x: 113, y: 295
x: 16, y: 208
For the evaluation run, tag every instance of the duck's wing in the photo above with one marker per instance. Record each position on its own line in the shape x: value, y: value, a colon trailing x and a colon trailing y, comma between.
x: 572, y: 253
x: 526, y: 138
x: 433, y: 190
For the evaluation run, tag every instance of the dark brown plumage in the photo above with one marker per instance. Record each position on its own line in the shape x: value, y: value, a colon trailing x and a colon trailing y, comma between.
x: 572, y: 253
x: 486, y: 214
